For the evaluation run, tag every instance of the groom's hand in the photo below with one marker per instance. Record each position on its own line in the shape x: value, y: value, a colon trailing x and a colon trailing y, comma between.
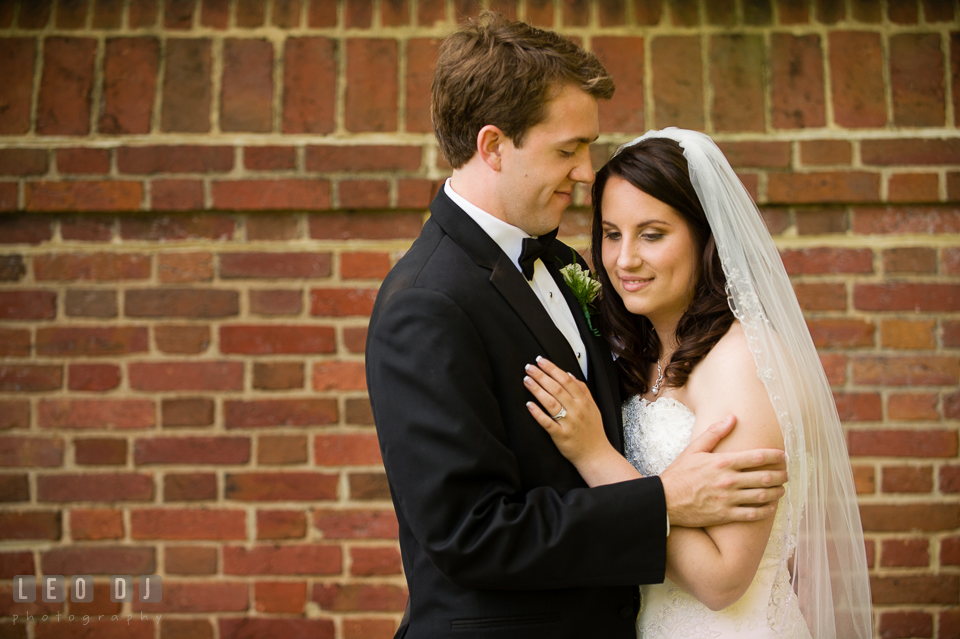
x: 703, y: 488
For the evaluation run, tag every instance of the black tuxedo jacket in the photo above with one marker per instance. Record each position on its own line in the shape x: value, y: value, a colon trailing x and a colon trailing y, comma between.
x: 499, y: 535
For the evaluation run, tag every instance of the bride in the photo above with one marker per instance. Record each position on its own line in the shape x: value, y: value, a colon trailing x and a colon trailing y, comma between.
x: 704, y: 323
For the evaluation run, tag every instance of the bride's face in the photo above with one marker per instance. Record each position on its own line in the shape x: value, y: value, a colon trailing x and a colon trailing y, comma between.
x: 648, y: 251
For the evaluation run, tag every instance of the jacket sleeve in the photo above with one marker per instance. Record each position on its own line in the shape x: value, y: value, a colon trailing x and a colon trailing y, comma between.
x: 457, y: 483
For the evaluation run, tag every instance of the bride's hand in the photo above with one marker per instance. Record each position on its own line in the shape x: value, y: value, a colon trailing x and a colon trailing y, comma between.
x: 579, y: 433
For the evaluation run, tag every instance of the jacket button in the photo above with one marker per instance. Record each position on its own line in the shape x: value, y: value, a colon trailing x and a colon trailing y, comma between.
x: 626, y: 612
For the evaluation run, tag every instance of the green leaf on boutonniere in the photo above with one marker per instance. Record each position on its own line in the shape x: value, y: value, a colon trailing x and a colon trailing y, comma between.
x: 584, y: 288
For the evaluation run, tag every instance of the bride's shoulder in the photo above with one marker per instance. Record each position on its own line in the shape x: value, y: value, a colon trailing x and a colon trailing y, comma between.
x: 730, y: 356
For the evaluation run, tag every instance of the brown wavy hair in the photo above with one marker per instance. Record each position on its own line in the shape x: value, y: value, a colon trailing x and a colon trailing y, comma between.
x: 657, y: 167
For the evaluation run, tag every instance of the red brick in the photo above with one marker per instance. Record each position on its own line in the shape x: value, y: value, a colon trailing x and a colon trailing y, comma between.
x: 160, y: 302
x: 107, y: 14
x: 251, y: 14
x: 395, y: 13
x: 83, y: 196
x: 91, y: 266
x: 343, y: 597
x: 100, y: 414
x: 685, y: 13
x: 949, y: 551
x: 189, y: 487
x: 35, y: 15
x: 275, y: 302
x: 364, y: 265
x: 143, y: 14
x: 310, y: 70
x: 190, y: 560
x: 129, y: 83
x: 321, y: 14
x: 281, y: 524
x: 13, y: 488
x: 178, y: 14
x: 913, y: 219
x: 830, y: 12
x: 910, y: 260
x: 186, y: 375
x: 286, y: 14
x: 247, y: 86
x: 30, y: 378
x: 903, y: 296
x: 12, y: 268
x: 185, y: 267
x: 902, y: 443
x: 22, y: 162
x: 414, y: 193
x: 282, y: 449
x: 180, y: 227
x: 198, y: 597
x: 279, y: 412
x: 950, y: 261
x: 368, y: 561
x: 856, y: 70
x: 841, y: 333
x: 275, y: 265
x: 612, y: 12
x: 289, y: 486
x: 358, y: 14
x: 97, y: 452
x: 91, y: 342
x: 93, y: 377
x: 18, y: 452
x: 371, y: 96
x: 174, y: 159
x: 179, y: 338
x: 865, y: 483
x: 913, y: 187
x: 822, y: 260
x: 576, y: 13
x: 23, y: 305
x: 906, y: 371
x: 356, y: 524
x: 910, y: 406
x: 907, y: 479
x: 915, y: 589
x: 906, y: 151
x: 17, y: 57
x: 623, y: 58
x: 81, y: 160
x: 736, y: 71
x: 30, y: 525
x: 909, y: 517
x: 367, y: 226
x: 902, y: 624
x: 757, y: 154
x: 820, y: 152
x: 372, y: 628
x: 833, y: 187
x: 339, y: 376
x: 358, y: 412
x: 271, y: 194
x: 866, y: 11
x: 369, y: 487
x: 63, y: 107
x: 86, y: 229
x: 951, y: 333
x: 16, y: 563
x: 355, y: 338
x: 244, y: 627
x: 821, y: 297
x: 341, y: 302
x: 95, y: 487
x: 364, y: 194
x: 431, y: 12
x: 187, y: 412
x: 678, y: 99
x: 14, y: 342
x: 24, y: 230
x: 902, y: 11
x: 949, y: 622
x: 278, y: 596
x: 307, y: 559
x: 192, y: 450
x: 272, y: 227
x: 100, y: 560
x: 269, y: 158
x: 329, y: 158
x: 421, y: 59
x: 278, y: 375
x: 346, y: 450
x: 185, y: 523
x: 274, y: 339
x: 96, y: 524
x: 91, y: 303
x: 187, y: 91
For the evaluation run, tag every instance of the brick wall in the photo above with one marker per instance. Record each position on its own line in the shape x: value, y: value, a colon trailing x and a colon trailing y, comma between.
x: 199, y: 199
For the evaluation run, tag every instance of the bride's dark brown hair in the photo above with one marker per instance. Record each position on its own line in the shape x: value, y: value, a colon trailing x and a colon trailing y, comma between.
x: 657, y: 167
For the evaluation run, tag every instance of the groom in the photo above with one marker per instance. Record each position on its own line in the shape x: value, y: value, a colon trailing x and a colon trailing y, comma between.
x: 499, y: 534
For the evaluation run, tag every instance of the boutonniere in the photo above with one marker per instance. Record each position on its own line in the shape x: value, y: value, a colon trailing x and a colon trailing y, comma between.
x: 584, y: 288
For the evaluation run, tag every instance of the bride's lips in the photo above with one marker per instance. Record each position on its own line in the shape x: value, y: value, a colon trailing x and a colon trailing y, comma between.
x: 634, y: 284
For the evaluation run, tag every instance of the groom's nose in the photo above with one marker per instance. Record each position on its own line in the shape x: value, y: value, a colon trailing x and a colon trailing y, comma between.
x: 583, y: 171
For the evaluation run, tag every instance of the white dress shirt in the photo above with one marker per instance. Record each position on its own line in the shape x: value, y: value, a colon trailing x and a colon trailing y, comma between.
x: 510, y: 239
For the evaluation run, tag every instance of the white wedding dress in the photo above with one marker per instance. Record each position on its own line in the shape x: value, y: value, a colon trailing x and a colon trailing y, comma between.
x: 655, y: 433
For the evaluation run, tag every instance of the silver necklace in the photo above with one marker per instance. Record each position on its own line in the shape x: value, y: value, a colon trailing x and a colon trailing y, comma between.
x: 656, y: 384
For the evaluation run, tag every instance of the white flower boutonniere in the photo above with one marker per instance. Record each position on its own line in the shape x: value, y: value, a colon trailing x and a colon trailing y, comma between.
x: 584, y: 288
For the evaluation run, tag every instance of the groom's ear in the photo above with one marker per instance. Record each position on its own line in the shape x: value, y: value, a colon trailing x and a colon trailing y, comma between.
x: 490, y: 142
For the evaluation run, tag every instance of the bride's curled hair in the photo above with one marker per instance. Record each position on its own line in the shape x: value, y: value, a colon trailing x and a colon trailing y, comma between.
x: 657, y: 167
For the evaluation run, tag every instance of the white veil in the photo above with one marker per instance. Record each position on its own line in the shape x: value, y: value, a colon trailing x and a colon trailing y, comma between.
x: 823, y: 533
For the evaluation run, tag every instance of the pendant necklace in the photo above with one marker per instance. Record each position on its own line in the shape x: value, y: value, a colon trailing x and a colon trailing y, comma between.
x: 656, y: 384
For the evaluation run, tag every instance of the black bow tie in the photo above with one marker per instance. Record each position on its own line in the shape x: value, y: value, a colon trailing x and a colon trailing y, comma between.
x: 535, y: 248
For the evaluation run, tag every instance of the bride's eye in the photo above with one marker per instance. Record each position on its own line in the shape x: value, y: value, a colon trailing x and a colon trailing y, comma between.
x: 612, y: 235
x: 651, y: 236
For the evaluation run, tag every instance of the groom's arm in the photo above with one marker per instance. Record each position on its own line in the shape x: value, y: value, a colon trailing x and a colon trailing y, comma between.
x: 457, y: 482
